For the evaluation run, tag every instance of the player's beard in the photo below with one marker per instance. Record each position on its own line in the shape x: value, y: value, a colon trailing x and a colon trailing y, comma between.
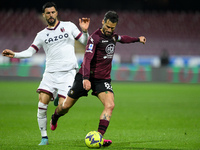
x: 51, y: 23
x: 106, y: 33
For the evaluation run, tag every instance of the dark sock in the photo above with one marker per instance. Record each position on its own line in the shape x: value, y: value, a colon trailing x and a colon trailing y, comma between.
x: 103, y: 125
x: 45, y: 137
x: 55, y: 117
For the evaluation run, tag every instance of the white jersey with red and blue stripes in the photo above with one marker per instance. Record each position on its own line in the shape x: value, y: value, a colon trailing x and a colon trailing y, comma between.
x: 58, y: 44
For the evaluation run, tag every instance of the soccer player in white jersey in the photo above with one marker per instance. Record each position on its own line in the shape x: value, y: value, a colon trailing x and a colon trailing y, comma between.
x: 57, y: 40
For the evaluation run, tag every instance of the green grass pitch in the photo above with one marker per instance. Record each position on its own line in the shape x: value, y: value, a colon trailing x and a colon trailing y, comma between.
x: 147, y: 116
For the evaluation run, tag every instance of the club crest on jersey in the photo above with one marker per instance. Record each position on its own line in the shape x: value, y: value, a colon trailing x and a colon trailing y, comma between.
x: 110, y: 48
x: 62, y: 29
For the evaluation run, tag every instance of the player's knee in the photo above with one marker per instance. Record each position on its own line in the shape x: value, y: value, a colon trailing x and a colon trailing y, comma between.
x: 110, y: 106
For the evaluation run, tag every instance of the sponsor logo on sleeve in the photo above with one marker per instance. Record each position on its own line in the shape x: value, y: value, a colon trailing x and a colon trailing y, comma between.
x: 90, y: 47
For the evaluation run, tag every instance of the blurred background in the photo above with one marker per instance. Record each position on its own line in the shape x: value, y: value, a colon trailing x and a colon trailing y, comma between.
x: 172, y: 29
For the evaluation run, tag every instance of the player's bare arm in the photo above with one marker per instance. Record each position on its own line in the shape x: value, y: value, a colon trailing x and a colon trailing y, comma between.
x: 8, y: 53
x: 86, y: 84
x: 142, y: 39
x: 84, y: 24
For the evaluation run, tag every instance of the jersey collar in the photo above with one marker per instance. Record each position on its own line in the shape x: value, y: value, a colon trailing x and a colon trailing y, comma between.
x: 54, y: 27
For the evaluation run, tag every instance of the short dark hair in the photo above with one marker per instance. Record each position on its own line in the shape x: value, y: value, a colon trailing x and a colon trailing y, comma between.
x: 112, y: 16
x: 47, y: 5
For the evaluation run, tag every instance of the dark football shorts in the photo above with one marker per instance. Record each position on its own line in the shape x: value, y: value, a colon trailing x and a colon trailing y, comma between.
x: 97, y: 86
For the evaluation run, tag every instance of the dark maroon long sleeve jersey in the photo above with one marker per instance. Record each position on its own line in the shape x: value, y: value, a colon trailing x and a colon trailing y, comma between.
x: 99, y: 53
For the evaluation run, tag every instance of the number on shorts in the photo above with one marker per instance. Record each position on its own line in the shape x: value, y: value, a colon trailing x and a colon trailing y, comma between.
x: 108, y: 86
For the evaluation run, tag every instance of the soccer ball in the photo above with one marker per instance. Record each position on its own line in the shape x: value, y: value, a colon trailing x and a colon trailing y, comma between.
x: 94, y: 139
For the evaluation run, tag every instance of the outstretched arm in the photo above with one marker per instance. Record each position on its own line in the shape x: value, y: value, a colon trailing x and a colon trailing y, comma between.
x: 8, y: 53
x: 24, y: 54
x: 129, y: 39
x: 142, y: 39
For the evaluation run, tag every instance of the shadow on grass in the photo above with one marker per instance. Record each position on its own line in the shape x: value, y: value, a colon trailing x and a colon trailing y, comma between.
x: 117, y: 146
x: 80, y: 145
x: 126, y: 145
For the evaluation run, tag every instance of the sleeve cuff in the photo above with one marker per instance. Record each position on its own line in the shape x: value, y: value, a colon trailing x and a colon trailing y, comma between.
x: 86, y: 78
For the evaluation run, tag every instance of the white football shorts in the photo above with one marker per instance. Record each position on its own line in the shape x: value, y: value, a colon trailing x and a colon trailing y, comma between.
x: 57, y: 83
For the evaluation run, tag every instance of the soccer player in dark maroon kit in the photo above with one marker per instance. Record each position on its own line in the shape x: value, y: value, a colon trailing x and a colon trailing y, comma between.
x: 95, y: 72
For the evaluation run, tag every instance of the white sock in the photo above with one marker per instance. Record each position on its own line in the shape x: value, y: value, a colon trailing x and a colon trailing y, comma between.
x: 42, y: 118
